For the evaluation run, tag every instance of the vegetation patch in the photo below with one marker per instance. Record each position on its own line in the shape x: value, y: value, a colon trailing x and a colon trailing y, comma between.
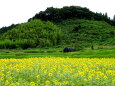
x: 57, y: 72
x: 35, y: 33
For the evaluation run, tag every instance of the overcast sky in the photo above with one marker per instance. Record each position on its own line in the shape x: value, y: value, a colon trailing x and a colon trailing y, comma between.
x: 19, y: 11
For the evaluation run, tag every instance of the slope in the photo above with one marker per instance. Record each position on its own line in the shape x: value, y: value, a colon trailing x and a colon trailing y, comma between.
x: 87, y: 32
x: 35, y: 33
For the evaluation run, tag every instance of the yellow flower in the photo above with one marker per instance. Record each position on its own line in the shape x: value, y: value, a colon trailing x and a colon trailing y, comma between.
x: 12, y: 84
x: 65, y: 82
x: 72, y: 70
x: 7, y: 82
x: 45, y: 71
x: 84, y: 69
x: 18, y: 70
x: 32, y: 84
x: 56, y: 81
x: 81, y: 73
x: 85, y: 80
x: 50, y: 74
x: 105, y: 77
x: 10, y: 78
x: 2, y: 78
x: 2, y: 69
x: 38, y: 76
x: 8, y: 72
x: 47, y: 82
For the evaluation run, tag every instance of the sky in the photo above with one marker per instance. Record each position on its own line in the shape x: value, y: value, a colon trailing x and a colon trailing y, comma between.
x: 19, y: 11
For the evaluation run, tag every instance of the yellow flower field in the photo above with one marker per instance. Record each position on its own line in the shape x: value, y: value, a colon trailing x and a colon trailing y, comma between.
x: 57, y: 72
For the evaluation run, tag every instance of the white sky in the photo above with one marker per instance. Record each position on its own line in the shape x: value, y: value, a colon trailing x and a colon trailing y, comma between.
x: 19, y: 11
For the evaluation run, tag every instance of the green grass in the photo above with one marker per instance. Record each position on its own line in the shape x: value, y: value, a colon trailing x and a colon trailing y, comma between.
x: 57, y: 52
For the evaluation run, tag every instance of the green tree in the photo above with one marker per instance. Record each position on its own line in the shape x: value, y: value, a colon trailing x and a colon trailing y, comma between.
x: 114, y: 18
x: 35, y: 32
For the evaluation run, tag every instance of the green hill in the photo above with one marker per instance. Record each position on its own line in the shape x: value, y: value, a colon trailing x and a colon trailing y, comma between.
x: 35, y: 33
x: 72, y: 25
x: 87, y: 32
x: 70, y: 12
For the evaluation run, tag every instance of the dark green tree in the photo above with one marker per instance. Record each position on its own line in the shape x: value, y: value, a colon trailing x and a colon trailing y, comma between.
x: 68, y: 12
x: 114, y: 18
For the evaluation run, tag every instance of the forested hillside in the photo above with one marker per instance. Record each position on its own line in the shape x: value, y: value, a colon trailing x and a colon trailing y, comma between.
x: 68, y: 12
x: 87, y: 32
x: 35, y: 33
x: 60, y: 26
x: 5, y: 29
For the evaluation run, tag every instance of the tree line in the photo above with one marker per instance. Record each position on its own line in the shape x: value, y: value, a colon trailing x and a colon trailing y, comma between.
x: 67, y: 12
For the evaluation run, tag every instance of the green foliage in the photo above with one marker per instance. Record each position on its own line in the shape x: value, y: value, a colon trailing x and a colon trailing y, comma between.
x: 78, y: 25
x: 113, y: 21
x: 114, y: 18
x: 35, y: 33
x: 103, y: 52
x: 5, y: 29
x: 9, y: 44
x: 77, y: 46
x: 87, y: 32
x: 68, y: 12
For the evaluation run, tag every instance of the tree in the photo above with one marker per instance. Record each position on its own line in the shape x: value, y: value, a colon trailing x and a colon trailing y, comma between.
x: 114, y: 18
x: 68, y: 12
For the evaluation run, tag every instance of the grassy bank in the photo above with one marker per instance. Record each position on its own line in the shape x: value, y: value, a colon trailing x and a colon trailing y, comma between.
x: 57, y: 52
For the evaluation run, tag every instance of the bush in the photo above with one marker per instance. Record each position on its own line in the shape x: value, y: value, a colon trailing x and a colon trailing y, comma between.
x: 7, y: 44
x: 24, y: 44
x: 77, y: 46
